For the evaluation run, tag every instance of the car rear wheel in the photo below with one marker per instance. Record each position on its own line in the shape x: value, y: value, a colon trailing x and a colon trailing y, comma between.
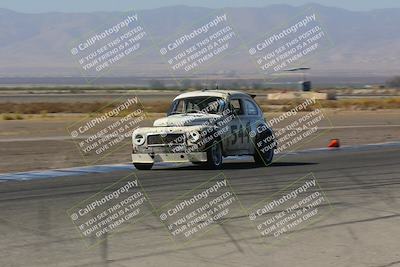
x: 143, y: 166
x: 214, y: 155
x: 264, y: 154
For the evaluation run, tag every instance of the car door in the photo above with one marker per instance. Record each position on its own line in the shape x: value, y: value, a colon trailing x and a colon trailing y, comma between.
x: 252, y: 118
x: 237, y: 140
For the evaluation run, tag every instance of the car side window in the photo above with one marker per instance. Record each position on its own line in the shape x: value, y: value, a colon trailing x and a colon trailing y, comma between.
x: 237, y: 106
x: 251, y: 108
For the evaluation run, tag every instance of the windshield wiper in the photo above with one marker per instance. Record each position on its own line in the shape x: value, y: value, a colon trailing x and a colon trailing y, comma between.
x: 196, y: 111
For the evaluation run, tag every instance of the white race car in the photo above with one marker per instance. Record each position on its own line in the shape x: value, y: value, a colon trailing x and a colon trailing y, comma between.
x: 202, y: 127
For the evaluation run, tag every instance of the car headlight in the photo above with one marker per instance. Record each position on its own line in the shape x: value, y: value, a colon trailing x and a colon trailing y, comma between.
x: 138, y: 139
x: 193, y: 136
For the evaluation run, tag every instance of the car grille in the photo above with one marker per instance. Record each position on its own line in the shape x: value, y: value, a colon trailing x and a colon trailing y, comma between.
x: 168, y: 139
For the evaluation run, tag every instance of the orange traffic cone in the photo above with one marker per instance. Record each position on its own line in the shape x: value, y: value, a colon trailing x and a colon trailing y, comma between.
x: 334, y: 143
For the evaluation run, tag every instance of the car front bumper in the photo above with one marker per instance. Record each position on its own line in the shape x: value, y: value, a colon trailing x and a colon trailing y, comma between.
x: 169, y: 157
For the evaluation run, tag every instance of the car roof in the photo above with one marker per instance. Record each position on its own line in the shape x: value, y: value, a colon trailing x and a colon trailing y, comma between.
x: 216, y: 93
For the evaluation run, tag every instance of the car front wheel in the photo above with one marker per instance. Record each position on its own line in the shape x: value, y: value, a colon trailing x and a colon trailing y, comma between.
x: 143, y: 166
x: 214, y: 156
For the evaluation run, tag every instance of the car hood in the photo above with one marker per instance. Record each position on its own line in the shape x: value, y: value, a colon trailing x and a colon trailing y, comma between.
x: 186, y: 120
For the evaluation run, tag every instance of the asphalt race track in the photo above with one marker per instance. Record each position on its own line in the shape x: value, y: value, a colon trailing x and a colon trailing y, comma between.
x: 361, y: 228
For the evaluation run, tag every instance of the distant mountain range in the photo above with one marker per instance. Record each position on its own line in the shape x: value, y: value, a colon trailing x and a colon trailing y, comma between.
x: 364, y: 43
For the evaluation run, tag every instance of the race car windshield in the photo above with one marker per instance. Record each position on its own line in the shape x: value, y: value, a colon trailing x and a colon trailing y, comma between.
x: 206, y: 105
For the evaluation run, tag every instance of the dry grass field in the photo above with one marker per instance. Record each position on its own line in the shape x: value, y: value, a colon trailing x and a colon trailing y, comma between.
x: 19, y: 111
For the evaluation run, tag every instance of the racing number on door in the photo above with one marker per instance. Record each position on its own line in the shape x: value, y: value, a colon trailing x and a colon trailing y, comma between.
x: 241, y: 134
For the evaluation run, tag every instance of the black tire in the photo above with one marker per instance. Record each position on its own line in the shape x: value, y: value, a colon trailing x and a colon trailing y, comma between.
x: 143, y: 166
x: 264, y: 157
x: 214, y: 156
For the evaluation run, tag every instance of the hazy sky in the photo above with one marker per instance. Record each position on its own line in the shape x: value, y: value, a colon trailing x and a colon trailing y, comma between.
x: 112, y: 5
